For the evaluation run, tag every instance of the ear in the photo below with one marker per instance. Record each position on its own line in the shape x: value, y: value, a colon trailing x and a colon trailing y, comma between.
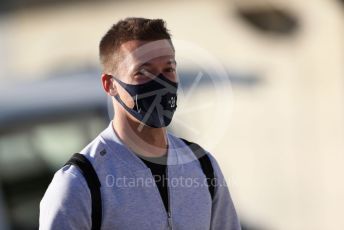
x: 108, y: 85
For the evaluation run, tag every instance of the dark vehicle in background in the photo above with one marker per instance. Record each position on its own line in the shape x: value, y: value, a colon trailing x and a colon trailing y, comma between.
x: 42, y: 123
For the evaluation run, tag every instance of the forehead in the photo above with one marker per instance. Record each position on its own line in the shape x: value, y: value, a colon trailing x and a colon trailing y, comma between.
x: 139, y: 52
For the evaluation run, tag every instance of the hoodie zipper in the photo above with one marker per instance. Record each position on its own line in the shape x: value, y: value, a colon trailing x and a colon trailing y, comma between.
x: 169, y: 214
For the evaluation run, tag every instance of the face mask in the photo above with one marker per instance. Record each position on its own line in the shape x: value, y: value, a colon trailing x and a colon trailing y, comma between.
x: 155, y: 101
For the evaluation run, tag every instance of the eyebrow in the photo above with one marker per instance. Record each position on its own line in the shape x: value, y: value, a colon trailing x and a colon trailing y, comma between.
x: 170, y: 62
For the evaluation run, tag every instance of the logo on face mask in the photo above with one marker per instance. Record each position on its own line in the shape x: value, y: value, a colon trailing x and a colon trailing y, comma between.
x: 154, y: 101
x: 172, y: 102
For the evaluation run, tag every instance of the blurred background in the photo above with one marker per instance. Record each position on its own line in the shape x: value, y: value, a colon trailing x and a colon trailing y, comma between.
x: 282, y: 147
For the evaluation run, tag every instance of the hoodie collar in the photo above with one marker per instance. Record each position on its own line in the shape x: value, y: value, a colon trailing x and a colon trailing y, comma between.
x: 127, y: 156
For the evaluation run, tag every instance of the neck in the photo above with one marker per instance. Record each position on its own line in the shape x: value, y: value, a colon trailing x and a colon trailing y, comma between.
x: 141, y: 139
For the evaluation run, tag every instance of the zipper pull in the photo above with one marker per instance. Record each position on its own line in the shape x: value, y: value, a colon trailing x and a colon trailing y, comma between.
x: 169, y: 219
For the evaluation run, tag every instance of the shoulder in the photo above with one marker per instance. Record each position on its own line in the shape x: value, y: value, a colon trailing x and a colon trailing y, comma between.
x: 65, y: 202
x: 184, y: 145
x: 67, y: 189
x: 104, y: 148
x: 66, y: 182
x: 95, y: 149
x: 69, y: 178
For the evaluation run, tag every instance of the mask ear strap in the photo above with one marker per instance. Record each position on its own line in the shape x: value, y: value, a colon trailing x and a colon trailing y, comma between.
x: 131, y: 111
x: 119, y: 82
x: 117, y: 97
x: 121, y: 102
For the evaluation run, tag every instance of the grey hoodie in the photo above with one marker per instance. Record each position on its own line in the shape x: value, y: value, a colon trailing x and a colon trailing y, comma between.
x: 130, y: 197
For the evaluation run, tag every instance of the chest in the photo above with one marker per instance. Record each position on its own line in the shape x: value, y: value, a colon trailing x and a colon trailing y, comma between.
x: 131, y: 200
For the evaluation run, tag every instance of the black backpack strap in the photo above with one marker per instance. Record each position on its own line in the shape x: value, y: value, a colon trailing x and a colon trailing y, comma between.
x: 206, y: 165
x: 93, y: 183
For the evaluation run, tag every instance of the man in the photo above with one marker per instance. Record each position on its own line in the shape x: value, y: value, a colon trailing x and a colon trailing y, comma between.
x: 139, y: 73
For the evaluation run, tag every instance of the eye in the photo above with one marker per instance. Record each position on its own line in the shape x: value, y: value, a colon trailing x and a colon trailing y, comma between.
x: 170, y: 70
x: 141, y: 76
x: 139, y: 73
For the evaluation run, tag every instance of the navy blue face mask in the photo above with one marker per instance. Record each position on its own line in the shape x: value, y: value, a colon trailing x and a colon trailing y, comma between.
x: 154, y: 101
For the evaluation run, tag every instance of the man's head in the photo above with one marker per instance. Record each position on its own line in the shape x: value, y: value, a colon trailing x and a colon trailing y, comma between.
x: 134, y: 52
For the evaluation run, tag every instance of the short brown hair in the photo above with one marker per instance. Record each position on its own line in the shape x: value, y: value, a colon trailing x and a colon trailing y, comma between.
x: 126, y: 30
